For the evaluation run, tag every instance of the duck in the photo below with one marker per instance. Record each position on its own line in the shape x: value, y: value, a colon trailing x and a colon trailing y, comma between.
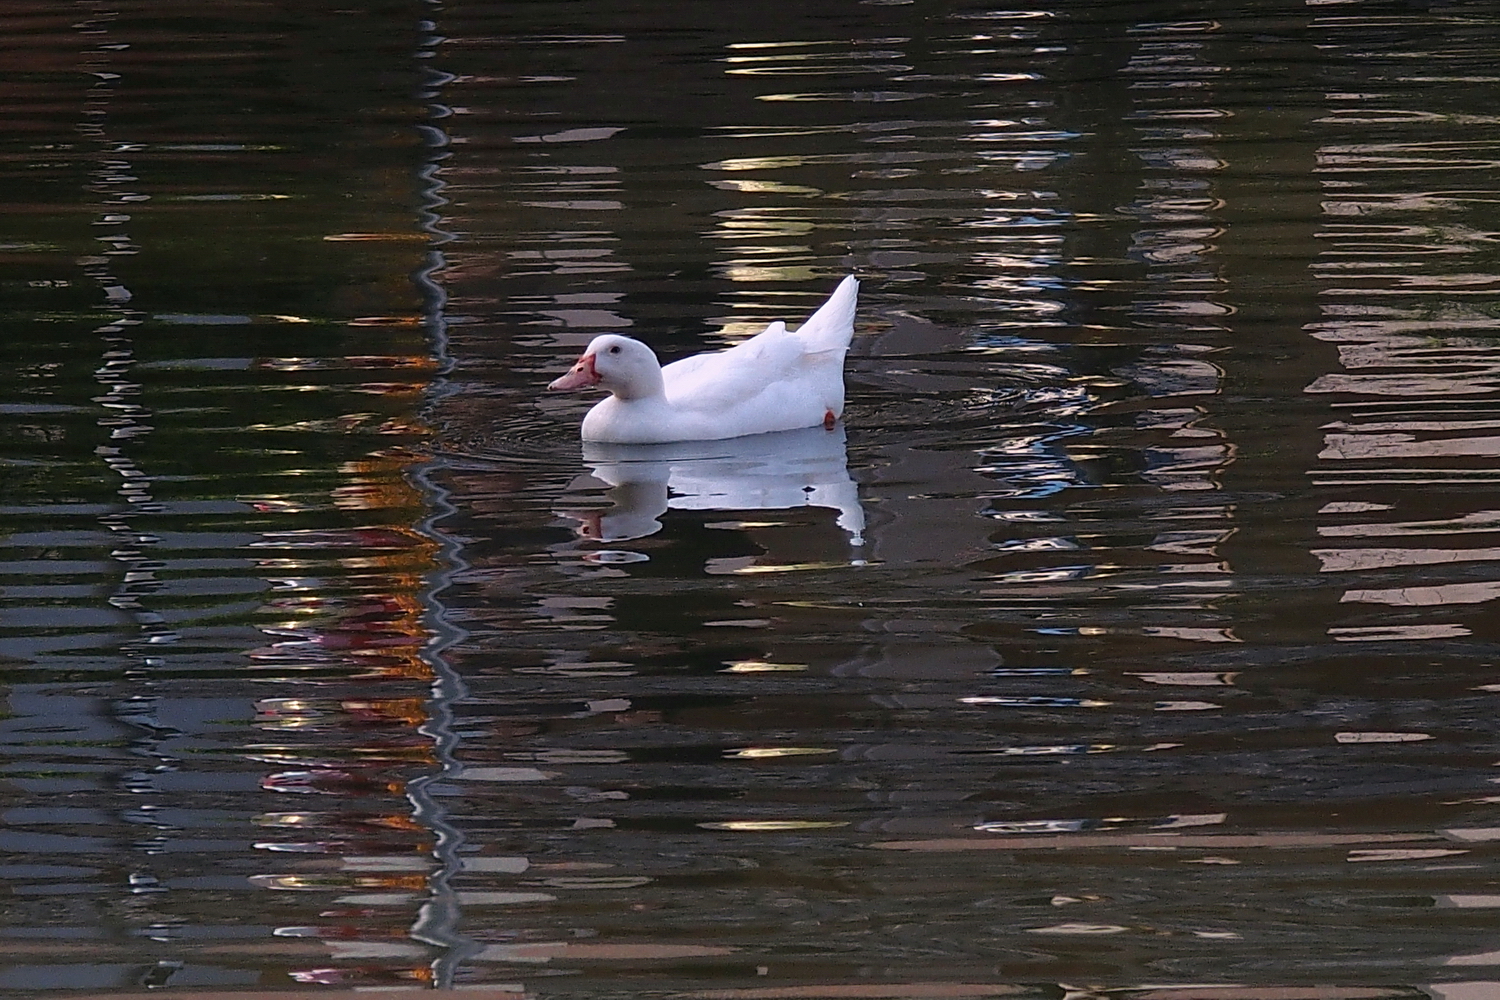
x: 778, y: 380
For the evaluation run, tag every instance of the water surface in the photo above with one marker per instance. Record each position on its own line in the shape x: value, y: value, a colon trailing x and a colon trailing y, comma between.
x: 1136, y: 631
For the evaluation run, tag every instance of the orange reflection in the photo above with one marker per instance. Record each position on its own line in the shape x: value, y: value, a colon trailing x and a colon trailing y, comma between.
x: 346, y: 607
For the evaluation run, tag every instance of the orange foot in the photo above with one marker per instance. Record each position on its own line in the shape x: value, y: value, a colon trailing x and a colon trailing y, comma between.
x: 829, y: 419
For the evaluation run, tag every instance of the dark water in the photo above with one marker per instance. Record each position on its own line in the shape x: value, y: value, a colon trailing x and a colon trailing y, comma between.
x: 1137, y: 634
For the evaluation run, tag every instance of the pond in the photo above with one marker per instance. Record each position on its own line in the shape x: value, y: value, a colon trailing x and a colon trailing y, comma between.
x: 1134, y: 633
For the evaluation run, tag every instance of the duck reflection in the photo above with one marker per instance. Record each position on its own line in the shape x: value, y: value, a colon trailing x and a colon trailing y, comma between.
x: 787, y: 469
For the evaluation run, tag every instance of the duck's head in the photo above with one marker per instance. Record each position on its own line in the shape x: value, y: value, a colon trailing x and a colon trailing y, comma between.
x: 625, y: 367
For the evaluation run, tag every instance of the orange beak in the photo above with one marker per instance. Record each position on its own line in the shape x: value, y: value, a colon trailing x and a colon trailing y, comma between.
x: 580, y: 376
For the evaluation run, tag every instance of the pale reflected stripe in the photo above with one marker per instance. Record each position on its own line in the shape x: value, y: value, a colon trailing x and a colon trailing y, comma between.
x: 1211, y: 841
x: 1351, y: 560
x: 1426, y: 597
x: 542, y: 952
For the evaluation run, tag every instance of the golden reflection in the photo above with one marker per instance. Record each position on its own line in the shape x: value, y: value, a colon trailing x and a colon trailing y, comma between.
x: 717, y: 567
x: 780, y: 273
x: 767, y: 753
x: 764, y: 187
x: 345, y: 608
x: 398, y: 237
x: 762, y: 666
x: 758, y: 163
x: 408, y: 320
x: 317, y: 883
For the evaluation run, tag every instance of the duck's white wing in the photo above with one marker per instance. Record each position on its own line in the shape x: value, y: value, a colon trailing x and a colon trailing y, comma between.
x: 723, y: 379
x: 773, y: 359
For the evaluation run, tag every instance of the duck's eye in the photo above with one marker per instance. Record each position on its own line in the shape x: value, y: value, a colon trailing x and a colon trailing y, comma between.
x: 615, y: 349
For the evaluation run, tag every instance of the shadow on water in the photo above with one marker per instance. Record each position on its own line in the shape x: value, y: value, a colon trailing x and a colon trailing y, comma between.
x: 1134, y: 634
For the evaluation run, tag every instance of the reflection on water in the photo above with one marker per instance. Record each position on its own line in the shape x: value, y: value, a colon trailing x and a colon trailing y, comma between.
x: 213, y: 627
x: 1409, y: 303
x: 1138, y: 634
x: 766, y: 472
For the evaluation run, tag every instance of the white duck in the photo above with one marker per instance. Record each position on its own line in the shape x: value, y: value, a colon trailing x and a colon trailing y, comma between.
x: 775, y: 381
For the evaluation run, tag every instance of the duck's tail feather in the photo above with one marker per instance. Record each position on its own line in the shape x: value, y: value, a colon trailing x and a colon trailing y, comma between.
x: 832, y: 326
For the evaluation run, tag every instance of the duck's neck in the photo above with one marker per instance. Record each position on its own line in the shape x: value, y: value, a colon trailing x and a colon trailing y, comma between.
x: 646, y: 384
